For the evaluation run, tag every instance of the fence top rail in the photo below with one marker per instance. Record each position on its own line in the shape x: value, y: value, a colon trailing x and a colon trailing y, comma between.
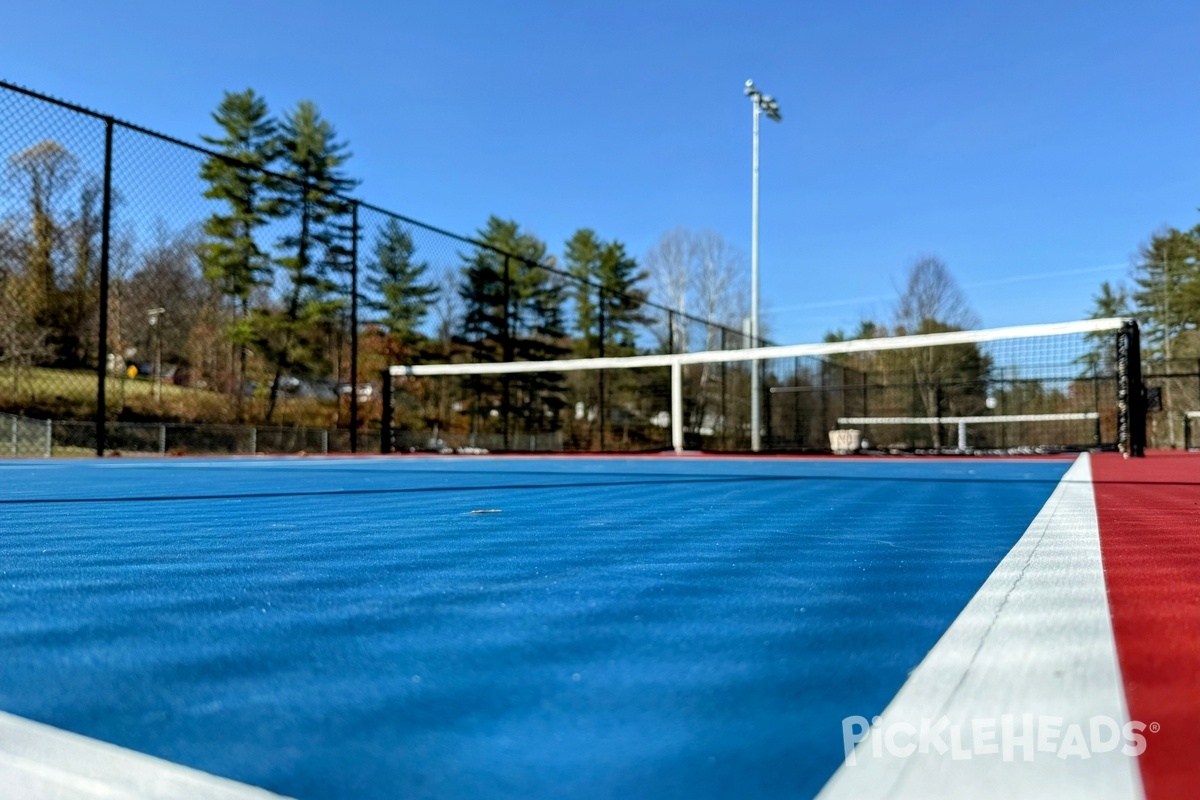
x: 969, y: 420
x: 765, y: 353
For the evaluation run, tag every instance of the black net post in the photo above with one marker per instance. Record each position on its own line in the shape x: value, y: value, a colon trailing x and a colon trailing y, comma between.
x: 600, y: 352
x: 102, y: 325
x: 385, y: 413
x: 507, y: 347
x: 1131, y: 404
x: 723, y: 436
x: 354, y: 328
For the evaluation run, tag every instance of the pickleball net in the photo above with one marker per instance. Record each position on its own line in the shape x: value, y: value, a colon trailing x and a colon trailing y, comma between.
x: 1032, y: 388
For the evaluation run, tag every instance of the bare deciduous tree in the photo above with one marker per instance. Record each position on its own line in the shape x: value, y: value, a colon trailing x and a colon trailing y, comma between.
x: 44, y: 172
x: 931, y: 302
x: 698, y: 274
x: 22, y: 343
x: 669, y: 263
x: 931, y: 297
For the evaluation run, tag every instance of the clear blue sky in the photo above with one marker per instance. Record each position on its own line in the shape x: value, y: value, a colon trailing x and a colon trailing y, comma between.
x: 1031, y: 145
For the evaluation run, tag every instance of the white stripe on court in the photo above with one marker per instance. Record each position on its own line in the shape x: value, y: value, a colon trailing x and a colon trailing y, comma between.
x: 1036, y: 639
x: 40, y: 762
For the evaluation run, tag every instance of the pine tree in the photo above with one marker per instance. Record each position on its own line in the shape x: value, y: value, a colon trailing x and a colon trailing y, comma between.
x: 513, y: 312
x: 621, y: 300
x: 582, y: 259
x: 314, y: 257
x: 607, y: 294
x: 1110, y: 302
x: 230, y: 255
x: 1167, y: 293
x: 608, y: 301
x: 396, y: 288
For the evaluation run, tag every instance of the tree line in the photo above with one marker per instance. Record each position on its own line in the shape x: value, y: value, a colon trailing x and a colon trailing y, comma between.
x: 257, y: 290
x: 1163, y: 293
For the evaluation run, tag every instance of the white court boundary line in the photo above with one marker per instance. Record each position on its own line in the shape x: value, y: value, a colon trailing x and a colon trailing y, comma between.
x: 1035, y: 639
x: 41, y: 762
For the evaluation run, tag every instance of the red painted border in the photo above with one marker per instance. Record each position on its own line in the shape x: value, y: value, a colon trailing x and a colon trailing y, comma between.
x: 1149, y: 513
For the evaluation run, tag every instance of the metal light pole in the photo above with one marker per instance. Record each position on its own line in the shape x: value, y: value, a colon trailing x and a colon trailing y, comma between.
x: 763, y: 104
x: 152, y: 315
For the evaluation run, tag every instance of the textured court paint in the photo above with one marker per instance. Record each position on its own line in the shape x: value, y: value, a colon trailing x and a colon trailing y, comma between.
x: 1149, y: 511
x: 653, y: 628
x: 1035, y: 640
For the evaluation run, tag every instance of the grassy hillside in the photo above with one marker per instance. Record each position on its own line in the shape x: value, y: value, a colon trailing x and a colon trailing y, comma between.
x: 71, y: 395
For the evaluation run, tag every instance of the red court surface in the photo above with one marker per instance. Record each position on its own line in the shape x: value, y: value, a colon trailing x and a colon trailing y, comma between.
x: 1149, y: 515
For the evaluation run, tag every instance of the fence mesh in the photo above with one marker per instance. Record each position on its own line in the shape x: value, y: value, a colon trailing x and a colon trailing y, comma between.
x: 146, y: 280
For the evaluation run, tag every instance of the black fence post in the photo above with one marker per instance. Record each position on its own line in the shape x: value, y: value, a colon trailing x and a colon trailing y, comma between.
x: 354, y: 327
x: 724, y: 396
x: 765, y: 395
x: 385, y: 413
x: 845, y: 392
x: 796, y: 438
x: 102, y: 332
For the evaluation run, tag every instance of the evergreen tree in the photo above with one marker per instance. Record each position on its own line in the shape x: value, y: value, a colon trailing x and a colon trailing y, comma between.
x: 314, y: 257
x: 1110, y: 302
x: 1167, y: 293
x: 622, y: 298
x: 230, y: 255
x: 582, y: 259
x: 608, y: 301
x: 607, y: 294
x: 397, y: 291
x: 513, y: 312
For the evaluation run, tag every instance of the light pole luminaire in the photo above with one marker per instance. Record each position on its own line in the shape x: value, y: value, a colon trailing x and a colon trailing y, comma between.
x: 763, y: 104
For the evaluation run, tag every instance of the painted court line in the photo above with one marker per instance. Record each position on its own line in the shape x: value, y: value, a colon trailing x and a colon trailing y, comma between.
x: 40, y: 762
x: 1035, y: 640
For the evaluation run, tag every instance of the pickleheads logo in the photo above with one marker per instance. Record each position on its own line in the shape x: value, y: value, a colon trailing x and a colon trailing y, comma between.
x: 1008, y: 737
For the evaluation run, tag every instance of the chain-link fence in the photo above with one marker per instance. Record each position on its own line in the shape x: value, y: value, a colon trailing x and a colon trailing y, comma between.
x: 159, y: 296
x: 26, y: 436
x: 144, y: 279
x: 1174, y: 418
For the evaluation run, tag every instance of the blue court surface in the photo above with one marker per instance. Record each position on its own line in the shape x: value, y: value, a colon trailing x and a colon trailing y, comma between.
x: 491, y: 627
